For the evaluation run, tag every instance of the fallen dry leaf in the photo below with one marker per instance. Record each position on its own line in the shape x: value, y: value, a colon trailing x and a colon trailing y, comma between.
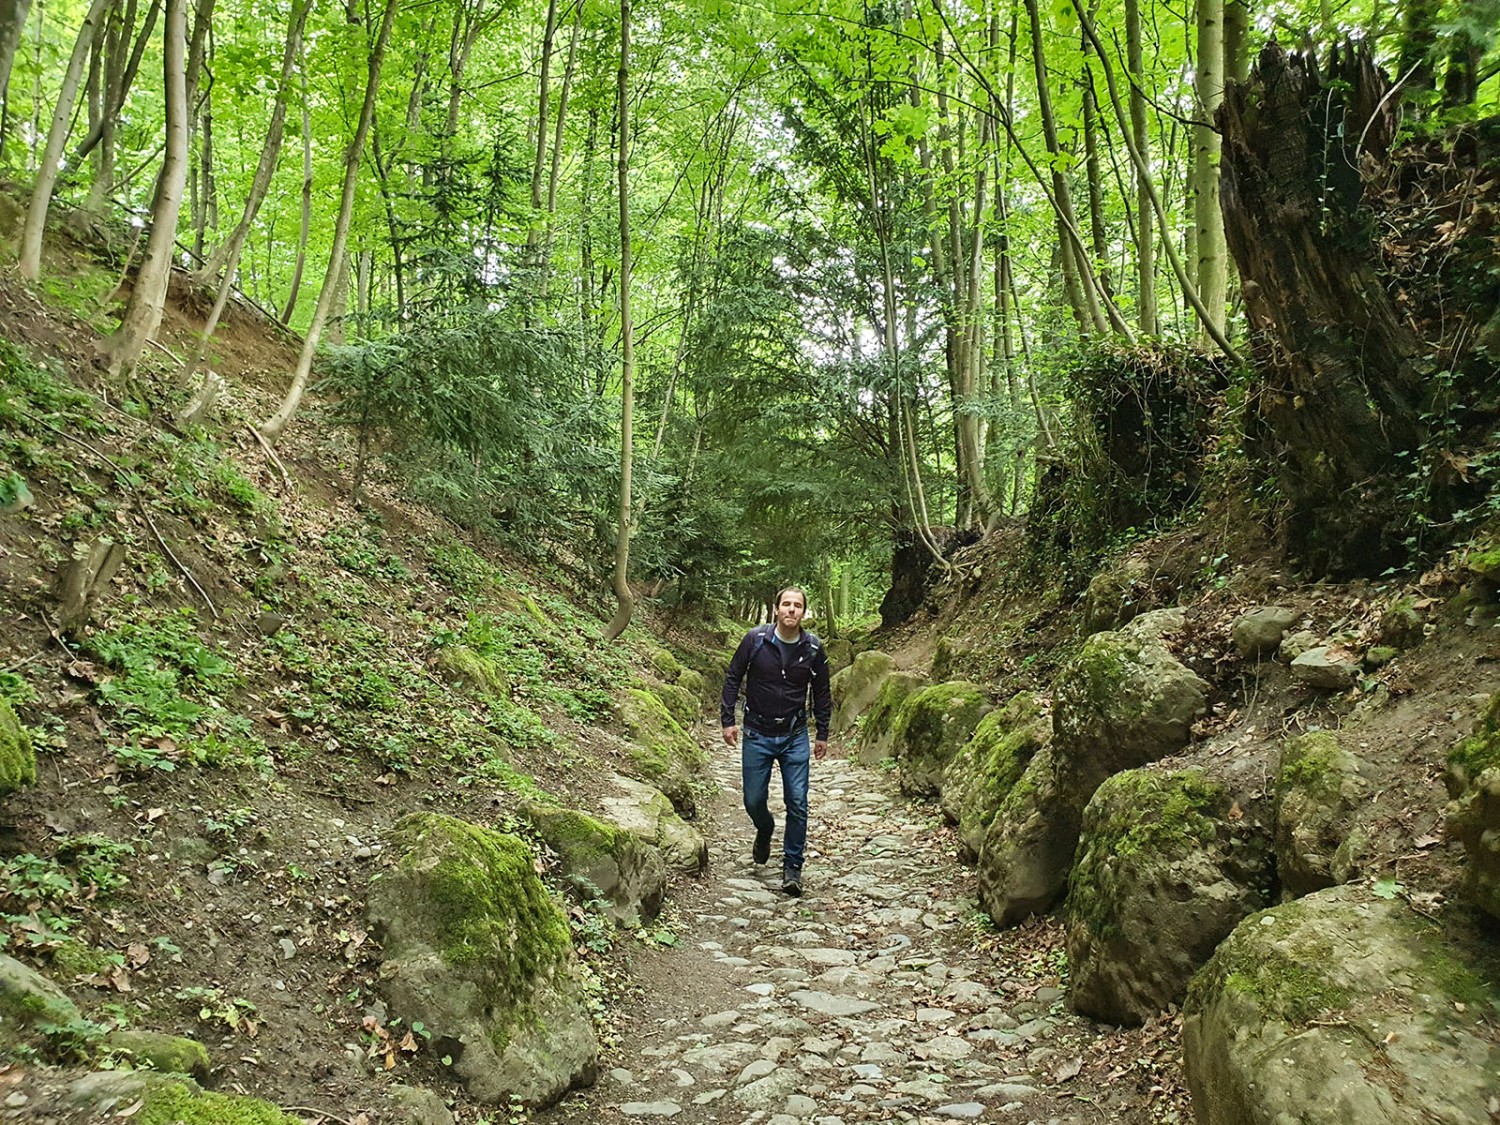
x: 1068, y: 1070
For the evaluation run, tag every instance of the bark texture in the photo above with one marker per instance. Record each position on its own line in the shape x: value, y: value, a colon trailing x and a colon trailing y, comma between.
x: 1338, y: 387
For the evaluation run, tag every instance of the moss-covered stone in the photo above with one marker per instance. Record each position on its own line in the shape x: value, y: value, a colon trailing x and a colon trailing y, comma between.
x: 1474, y: 818
x: 646, y: 814
x: 1024, y: 861
x: 30, y: 1001
x: 1479, y: 752
x: 156, y: 1050
x: 931, y: 727
x: 17, y: 755
x: 982, y: 774
x: 840, y: 653
x: 476, y: 949
x: 1320, y: 796
x: 603, y: 861
x: 462, y: 665
x: 1343, y: 1009
x: 1116, y: 595
x: 170, y: 1101
x: 952, y: 659
x: 693, y: 683
x: 1163, y: 873
x: 661, y: 752
x: 877, y: 731
x: 680, y: 703
x: 856, y: 687
x: 666, y: 666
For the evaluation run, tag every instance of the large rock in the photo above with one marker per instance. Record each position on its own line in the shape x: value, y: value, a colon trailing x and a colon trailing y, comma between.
x: 17, y: 756
x: 604, y: 862
x: 477, y: 950
x: 855, y: 687
x: 1122, y: 702
x: 1343, y: 1009
x: 661, y: 752
x: 984, y: 771
x: 1117, y: 594
x: 646, y: 814
x: 1167, y: 865
x: 1024, y: 861
x: 1320, y: 794
x: 1473, y: 780
x: 1326, y: 667
x: 1259, y: 630
x: 30, y: 1004
x: 932, y: 726
x: 126, y: 1096
x: 877, y: 733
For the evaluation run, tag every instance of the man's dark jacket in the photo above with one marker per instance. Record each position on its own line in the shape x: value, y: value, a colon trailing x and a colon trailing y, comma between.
x: 777, y: 678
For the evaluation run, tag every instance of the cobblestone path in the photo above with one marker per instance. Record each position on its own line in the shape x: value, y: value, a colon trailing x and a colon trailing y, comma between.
x: 877, y: 996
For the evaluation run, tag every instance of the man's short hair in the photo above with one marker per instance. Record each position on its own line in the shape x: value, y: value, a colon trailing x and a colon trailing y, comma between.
x: 792, y: 590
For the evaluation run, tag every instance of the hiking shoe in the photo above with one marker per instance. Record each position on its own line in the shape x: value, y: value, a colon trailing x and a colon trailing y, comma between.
x: 791, y: 882
x: 761, y: 852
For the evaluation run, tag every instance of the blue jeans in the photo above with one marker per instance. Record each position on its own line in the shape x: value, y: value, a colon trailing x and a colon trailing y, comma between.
x: 793, y: 753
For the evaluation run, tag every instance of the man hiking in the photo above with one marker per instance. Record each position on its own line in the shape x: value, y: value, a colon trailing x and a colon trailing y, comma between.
x: 778, y: 664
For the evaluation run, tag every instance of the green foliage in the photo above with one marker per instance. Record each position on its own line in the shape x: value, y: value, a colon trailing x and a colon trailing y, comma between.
x: 158, y: 660
x: 358, y: 549
x: 40, y: 896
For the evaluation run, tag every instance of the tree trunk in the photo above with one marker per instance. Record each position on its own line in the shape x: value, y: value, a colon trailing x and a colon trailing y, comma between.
x: 148, y: 296
x: 1341, y: 373
x: 1145, y: 248
x: 273, y: 426
x: 227, y: 255
x: 57, y: 135
x: 305, y: 230
x: 1213, y: 272
x: 626, y: 600
x: 12, y: 24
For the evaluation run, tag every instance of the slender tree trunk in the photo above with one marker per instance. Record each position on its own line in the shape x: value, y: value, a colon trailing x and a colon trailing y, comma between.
x: 305, y: 230
x: 1145, y: 248
x: 273, y: 426
x: 226, y: 256
x: 122, y: 72
x: 557, y: 147
x: 148, y: 295
x: 57, y: 135
x: 539, y: 159
x: 12, y: 23
x: 458, y: 59
x: 626, y: 600
x: 1213, y: 266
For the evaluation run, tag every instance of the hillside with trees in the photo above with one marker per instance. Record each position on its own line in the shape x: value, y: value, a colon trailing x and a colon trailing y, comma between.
x: 404, y: 406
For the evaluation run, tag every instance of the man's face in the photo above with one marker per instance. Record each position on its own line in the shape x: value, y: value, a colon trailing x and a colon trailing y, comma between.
x: 789, y: 611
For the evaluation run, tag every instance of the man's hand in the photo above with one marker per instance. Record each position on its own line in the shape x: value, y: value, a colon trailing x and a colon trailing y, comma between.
x: 820, y: 747
x: 731, y: 735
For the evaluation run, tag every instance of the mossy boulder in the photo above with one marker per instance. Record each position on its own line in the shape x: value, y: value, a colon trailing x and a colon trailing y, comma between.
x: 681, y: 704
x: 1475, y: 820
x: 1124, y: 700
x: 645, y: 813
x: 952, y: 659
x: 666, y: 666
x: 877, y: 732
x: 30, y: 1002
x: 166, y: 1101
x: 604, y: 862
x: 1344, y: 1009
x: 476, y: 949
x: 1028, y: 849
x: 1473, y: 780
x: 1403, y: 624
x: 932, y: 726
x: 856, y: 687
x: 156, y: 1050
x: 1167, y: 866
x: 661, y: 752
x: 460, y: 664
x: 1116, y: 595
x: 1320, y: 795
x: 17, y: 755
x: 982, y: 774
x: 694, y: 684
x: 415, y: 1105
x: 1259, y: 631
